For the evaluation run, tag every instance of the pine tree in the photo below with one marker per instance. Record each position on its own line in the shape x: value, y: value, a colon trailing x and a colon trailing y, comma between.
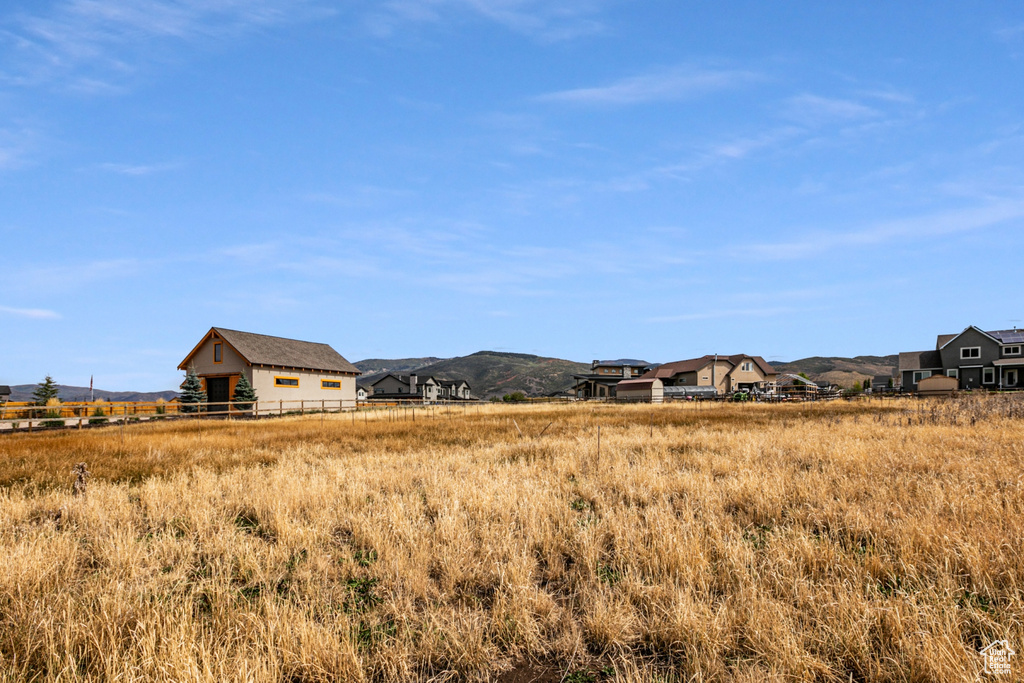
x: 44, y: 391
x: 191, y: 393
x: 244, y: 395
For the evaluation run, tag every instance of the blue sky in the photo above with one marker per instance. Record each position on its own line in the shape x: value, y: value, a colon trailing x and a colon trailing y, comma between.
x: 576, y: 178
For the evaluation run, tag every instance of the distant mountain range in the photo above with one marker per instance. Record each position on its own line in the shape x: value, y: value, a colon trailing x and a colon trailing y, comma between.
x: 489, y: 373
x: 841, y: 371
x: 23, y: 393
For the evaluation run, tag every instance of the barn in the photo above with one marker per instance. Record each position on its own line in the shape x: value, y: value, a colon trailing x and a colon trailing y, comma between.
x: 279, y: 369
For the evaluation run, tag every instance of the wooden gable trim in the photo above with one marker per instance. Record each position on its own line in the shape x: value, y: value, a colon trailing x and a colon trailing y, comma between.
x: 183, y: 365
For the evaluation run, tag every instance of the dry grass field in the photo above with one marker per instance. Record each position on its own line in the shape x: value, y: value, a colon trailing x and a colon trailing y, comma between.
x: 831, y: 542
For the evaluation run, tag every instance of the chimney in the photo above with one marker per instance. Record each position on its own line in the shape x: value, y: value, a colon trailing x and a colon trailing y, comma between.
x: 412, y: 384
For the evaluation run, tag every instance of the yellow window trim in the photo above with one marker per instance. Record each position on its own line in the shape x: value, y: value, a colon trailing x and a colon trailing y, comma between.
x: 337, y: 388
x: 215, y: 345
x: 286, y: 386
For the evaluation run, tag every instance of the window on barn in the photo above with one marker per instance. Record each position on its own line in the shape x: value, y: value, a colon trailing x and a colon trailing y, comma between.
x: 330, y: 384
x: 218, y: 352
x: 291, y: 382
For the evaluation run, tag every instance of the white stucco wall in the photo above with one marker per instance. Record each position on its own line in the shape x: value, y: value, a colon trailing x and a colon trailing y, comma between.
x: 309, y: 390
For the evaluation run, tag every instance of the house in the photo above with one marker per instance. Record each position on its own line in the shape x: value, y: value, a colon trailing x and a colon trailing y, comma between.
x: 605, y: 375
x: 363, y: 392
x: 405, y: 387
x: 279, y: 369
x: 975, y: 358
x: 5, y: 393
x: 726, y: 374
x: 641, y: 390
x: 453, y: 390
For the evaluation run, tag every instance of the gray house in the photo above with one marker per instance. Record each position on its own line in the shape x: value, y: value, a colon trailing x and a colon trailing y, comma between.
x: 975, y: 358
x: 427, y: 389
x: 405, y: 387
x: 5, y: 393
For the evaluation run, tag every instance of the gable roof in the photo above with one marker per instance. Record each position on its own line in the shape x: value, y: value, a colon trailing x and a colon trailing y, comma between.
x: 262, y: 349
x: 969, y: 327
x: 404, y: 379
x: 944, y: 339
x: 920, y: 360
x: 668, y: 370
x: 760, y: 362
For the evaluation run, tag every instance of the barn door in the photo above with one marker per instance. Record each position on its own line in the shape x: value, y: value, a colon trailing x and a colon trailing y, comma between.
x: 217, y: 391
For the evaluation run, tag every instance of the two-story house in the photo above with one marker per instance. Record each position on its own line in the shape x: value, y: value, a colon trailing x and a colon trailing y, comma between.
x: 405, y: 387
x: 605, y: 375
x: 726, y: 374
x: 975, y: 358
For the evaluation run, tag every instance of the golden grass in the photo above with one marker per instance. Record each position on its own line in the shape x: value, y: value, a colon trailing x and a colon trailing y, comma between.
x: 865, y: 542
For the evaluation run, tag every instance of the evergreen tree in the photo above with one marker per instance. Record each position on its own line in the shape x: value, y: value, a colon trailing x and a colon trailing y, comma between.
x: 244, y: 395
x: 44, y: 391
x: 191, y: 393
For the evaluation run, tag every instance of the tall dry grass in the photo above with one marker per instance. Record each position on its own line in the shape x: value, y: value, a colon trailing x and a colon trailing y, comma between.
x: 723, y: 543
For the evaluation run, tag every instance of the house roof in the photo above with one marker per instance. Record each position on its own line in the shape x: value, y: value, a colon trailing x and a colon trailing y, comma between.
x: 944, y: 339
x: 404, y: 379
x: 1002, y: 362
x: 262, y: 349
x: 452, y: 382
x: 694, y: 364
x: 920, y: 360
x: 1008, y: 336
x: 969, y: 327
x: 631, y: 362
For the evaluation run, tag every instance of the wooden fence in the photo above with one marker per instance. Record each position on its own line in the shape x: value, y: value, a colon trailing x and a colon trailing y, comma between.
x: 29, y: 417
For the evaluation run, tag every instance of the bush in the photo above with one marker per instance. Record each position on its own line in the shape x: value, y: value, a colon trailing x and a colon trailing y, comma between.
x: 514, y: 397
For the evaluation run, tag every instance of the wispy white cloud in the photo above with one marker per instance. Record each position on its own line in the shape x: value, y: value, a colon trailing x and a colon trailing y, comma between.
x: 915, y: 228
x: 545, y: 20
x: 15, y: 145
x: 139, y: 169
x: 729, y: 313
x: 92, y: 45
x: 815, y: 110
x: 1008, y: 33
x: 35, y: 313
x: 672, y: 84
